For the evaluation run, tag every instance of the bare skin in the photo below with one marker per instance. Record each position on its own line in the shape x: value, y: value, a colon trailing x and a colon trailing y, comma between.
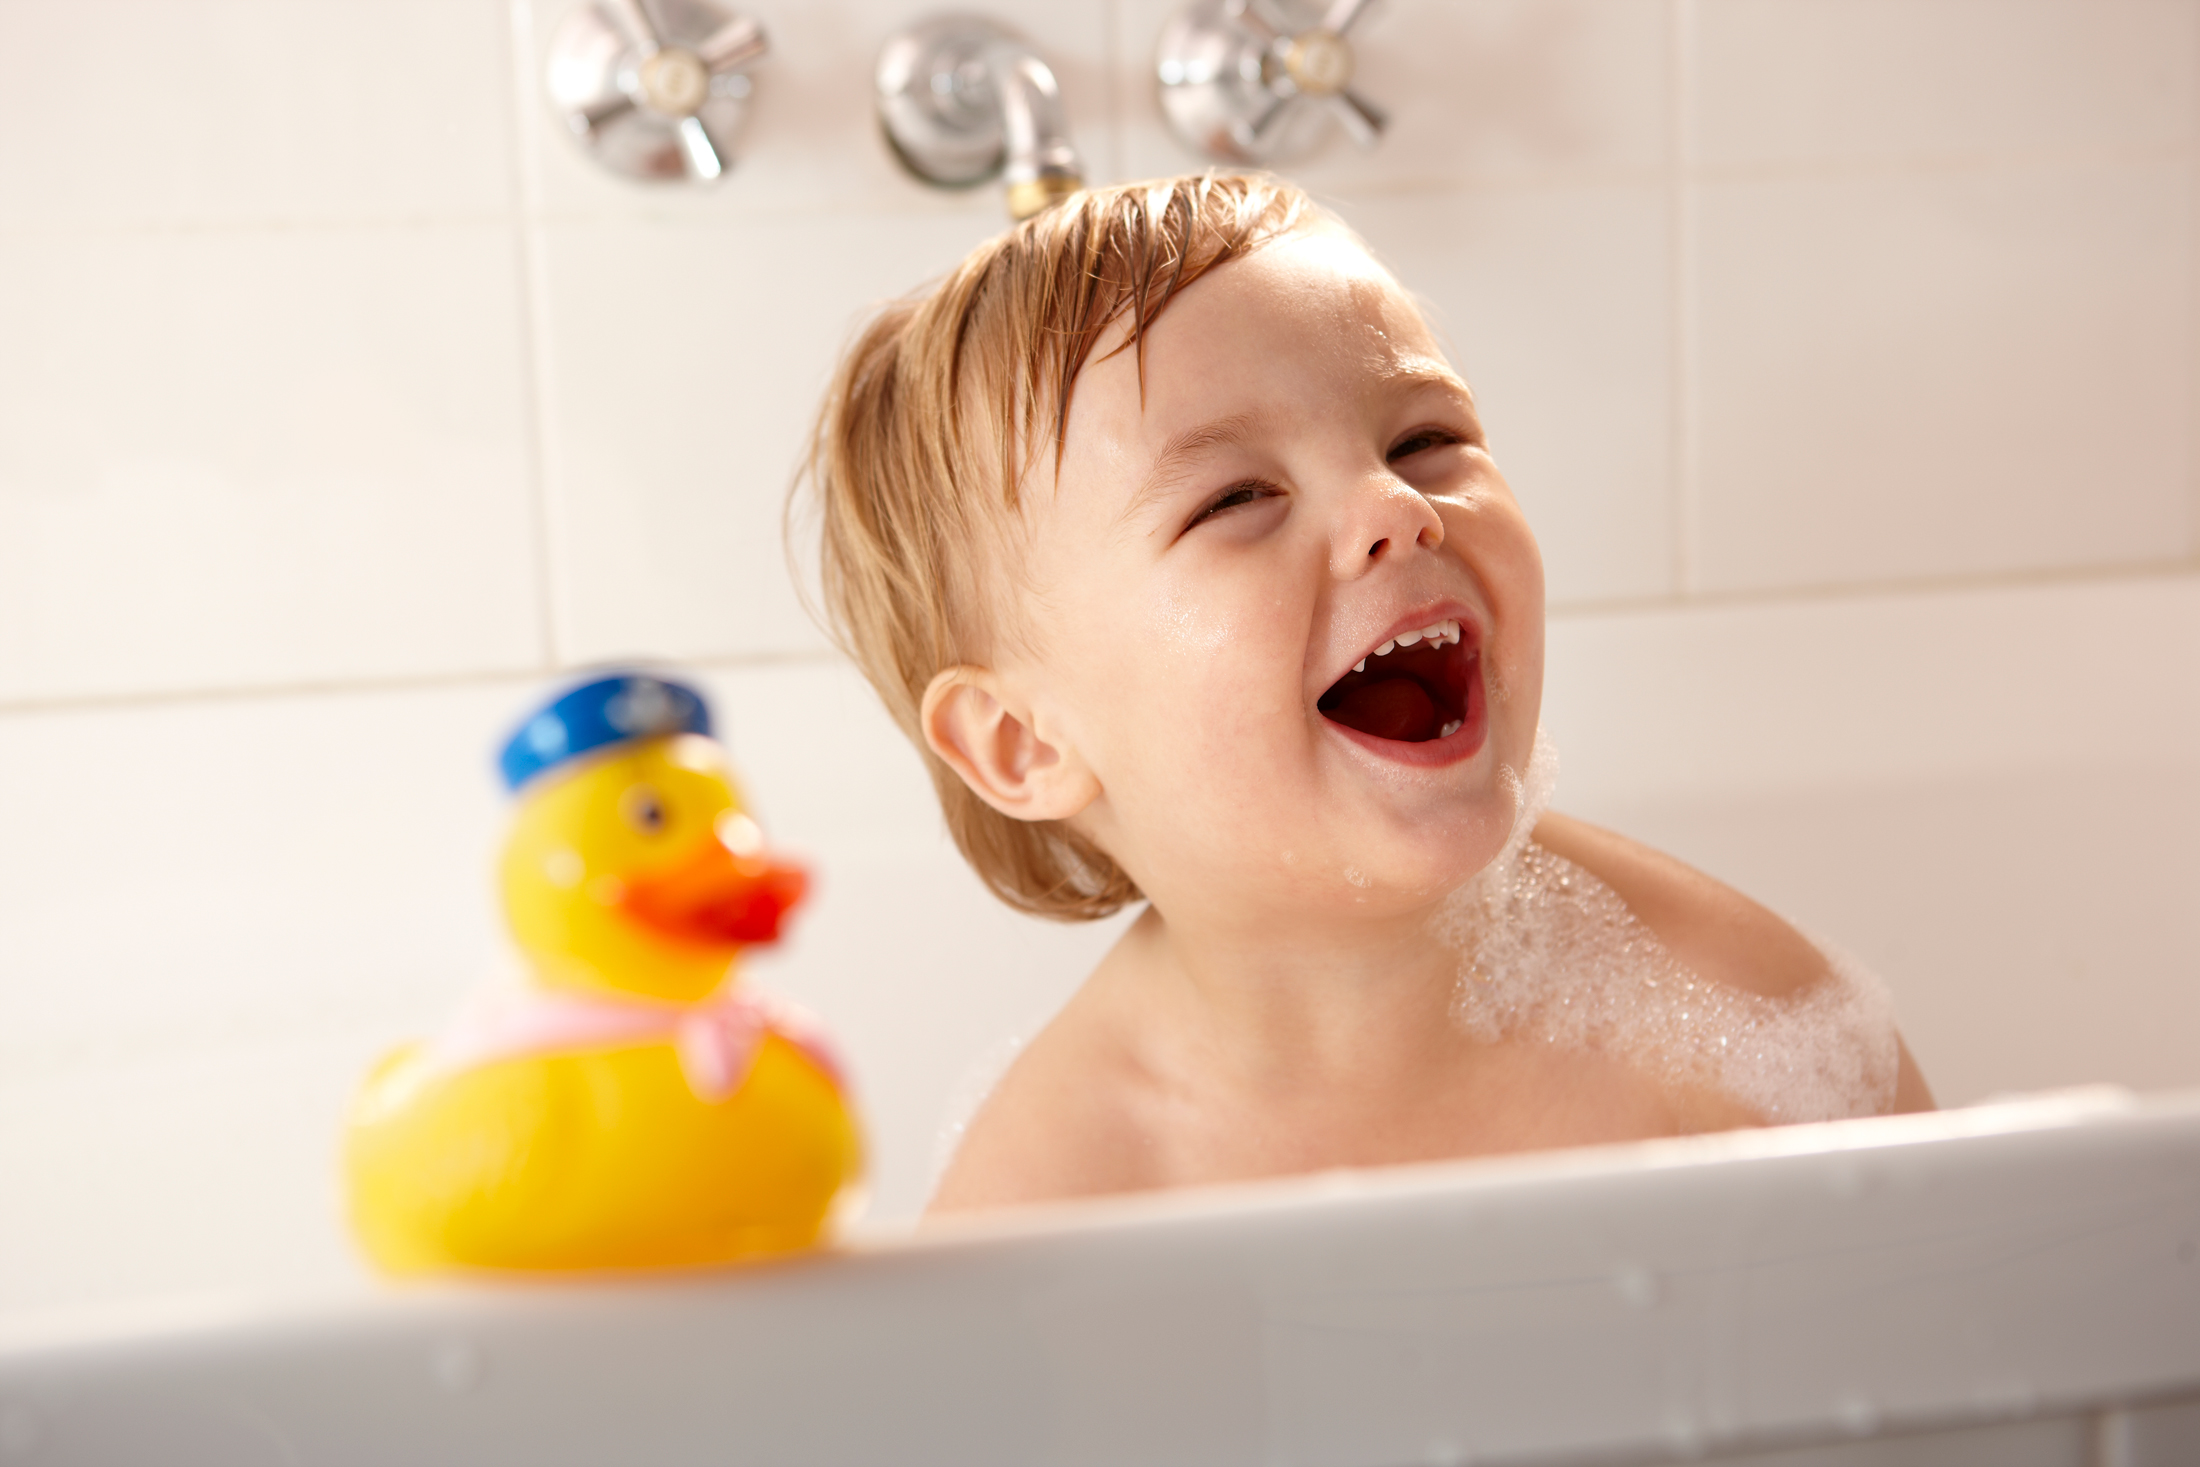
x: 1230, y: 557
x: 1112, y: 1097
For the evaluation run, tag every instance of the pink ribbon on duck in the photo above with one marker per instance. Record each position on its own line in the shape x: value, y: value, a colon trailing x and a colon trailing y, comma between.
x: 717, y: 1039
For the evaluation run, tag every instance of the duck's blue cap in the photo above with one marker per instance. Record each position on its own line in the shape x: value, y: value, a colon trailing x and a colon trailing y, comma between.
x: 610, y: 710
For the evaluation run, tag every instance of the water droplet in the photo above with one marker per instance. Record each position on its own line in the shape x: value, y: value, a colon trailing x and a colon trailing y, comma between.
x: 456, y: 1366
x: 563, y: 867
x: 2013, y: 1397
x: 1682, y: 1432
x: 1859, y: 1415
x: 1637, y: 1285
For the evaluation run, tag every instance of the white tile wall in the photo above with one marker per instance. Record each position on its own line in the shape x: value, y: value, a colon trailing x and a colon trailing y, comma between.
x: 273, y: 111
x: 1915, y: 375
x: 681, y: 398
x: 342, y: 402
x: 1839, y: 81
x: 253, y: 457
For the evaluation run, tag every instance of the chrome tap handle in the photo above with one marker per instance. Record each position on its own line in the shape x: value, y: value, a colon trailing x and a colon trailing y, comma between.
x: 641, y: 31
x: 732, y: 46
x: 1242, y: 83
x: 963, y: 100
x: 655, y: 91
x: 1342, y: 14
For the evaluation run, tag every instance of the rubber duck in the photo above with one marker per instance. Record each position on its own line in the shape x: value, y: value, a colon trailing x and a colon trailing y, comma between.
x: 627, y: 1102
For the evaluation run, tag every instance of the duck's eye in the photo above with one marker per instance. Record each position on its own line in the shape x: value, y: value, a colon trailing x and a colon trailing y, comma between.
x: 644, y: 809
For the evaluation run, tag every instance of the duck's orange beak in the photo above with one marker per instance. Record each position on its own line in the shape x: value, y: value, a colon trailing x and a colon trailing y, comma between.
x: 716, y: 897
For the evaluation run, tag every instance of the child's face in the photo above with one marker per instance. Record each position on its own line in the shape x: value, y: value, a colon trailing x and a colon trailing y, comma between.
x: 1305, y: 482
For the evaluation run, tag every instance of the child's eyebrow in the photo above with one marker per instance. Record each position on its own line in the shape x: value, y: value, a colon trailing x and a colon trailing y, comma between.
x: 1426, y: 372
x: 1177, y: 454
x: 1418, y: 372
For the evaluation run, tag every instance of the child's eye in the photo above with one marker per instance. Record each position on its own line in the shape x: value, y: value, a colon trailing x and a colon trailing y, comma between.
x: 1420, y: 440
x: 1231, y: 498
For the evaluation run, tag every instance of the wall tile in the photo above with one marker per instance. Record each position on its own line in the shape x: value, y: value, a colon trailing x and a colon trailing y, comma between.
x: 1726, y: 703
x: 687, y: 363
x: 1937, y: 375
x: 1475, y: 89
x: 811, y: 138
x: 1555, y: 303
x: 133, y: 110
x: 231, y: 870
x: 198, y: 1176
x: 1791, y: 80
x: 237, y: 458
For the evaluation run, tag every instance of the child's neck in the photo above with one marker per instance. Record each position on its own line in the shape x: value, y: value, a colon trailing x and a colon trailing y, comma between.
x: 1298, y: 1006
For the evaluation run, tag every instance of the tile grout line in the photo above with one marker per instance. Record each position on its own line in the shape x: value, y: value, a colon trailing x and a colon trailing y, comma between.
x: 1681, y: 242
x: 2043, y: 579
x: 1828, y: 593
x: 1542, y: 180
x: 534, y: 336
x: 1111, y: 60
x: 402, y: 683
x: 2192, y: 327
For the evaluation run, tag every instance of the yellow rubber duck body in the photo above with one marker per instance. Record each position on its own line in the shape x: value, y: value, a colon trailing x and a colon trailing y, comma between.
x: 629, y: 1105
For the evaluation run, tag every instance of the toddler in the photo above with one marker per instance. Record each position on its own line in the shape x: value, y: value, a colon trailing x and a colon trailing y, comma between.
x: 1167, y: 532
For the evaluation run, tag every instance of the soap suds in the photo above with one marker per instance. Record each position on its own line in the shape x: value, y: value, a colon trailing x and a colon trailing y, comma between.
x: 1550, y: 953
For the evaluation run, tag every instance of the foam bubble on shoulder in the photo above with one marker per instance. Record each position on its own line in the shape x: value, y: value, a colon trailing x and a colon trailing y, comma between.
x: 1550, y: 953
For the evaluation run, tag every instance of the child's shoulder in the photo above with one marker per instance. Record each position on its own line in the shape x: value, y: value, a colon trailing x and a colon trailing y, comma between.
x: 1049, y: 1130
x: 1710, y: 928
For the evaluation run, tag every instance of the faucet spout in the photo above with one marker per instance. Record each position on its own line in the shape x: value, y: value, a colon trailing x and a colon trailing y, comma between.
x: 963, y: 100
x: 1041, y: 166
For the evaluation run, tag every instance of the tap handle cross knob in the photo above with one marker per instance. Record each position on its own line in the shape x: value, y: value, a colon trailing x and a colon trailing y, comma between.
x: 1241, y: 83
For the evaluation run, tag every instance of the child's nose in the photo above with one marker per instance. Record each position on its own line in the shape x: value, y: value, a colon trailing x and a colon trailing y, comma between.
x: 1383, y: 519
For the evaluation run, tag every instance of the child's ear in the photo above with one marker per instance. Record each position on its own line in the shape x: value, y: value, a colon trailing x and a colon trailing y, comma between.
x: 974, y: 721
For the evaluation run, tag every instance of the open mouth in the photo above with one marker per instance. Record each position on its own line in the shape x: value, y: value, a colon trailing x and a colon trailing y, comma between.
x: 1414, y: 689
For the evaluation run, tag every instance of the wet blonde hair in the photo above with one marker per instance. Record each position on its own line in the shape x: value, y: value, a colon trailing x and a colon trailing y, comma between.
x: 943, y: 404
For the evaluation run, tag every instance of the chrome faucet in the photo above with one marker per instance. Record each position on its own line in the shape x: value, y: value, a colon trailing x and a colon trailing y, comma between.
x: 1241, y: 84
x: 655, y: 95
x: 962, y: 100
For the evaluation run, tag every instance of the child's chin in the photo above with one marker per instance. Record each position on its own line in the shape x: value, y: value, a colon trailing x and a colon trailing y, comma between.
x: 1428, y: 865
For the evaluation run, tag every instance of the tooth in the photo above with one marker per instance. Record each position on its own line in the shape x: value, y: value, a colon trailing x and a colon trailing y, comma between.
x: 1434, y: 633
x: 1360, y: 666
x: 1407, y: 639
x: 1450, y: 728
x: 1451, y: 630
x: 1384, y: 650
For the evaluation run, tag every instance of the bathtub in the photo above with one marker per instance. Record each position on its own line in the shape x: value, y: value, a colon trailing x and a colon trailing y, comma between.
x: 2016, y: 1283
